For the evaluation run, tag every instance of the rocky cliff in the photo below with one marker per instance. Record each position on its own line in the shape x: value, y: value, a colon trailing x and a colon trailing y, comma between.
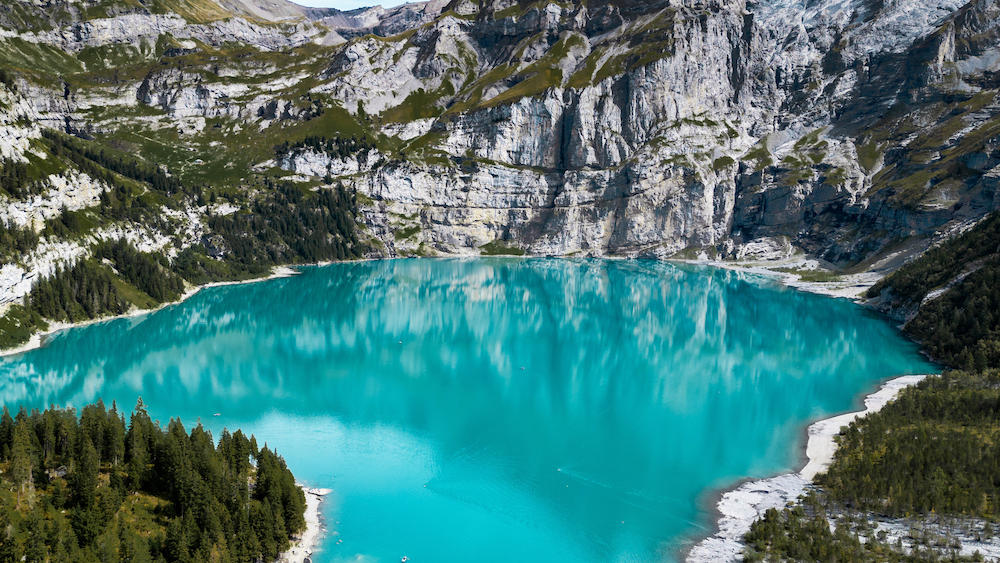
x: 858, y: 132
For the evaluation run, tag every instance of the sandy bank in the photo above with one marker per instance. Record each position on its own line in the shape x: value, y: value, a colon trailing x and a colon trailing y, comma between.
x: 848, y: 286
x: 38, y: 339
x: 303, y: 547
x: 743, y: 505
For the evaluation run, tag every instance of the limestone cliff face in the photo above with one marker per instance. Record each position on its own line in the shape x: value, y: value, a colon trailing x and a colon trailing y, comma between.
x: 713, y: 128
x: 753, y: 127
x: 634, y: 163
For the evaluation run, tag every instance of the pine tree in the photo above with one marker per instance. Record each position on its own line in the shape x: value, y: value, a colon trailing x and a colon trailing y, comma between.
x: 6, y: 433
x: 139, y: 444
x: 22, y: 462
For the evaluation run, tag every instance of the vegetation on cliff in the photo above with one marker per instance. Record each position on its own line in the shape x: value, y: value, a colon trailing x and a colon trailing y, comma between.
x: 283, y: 223
x: 89, y: 487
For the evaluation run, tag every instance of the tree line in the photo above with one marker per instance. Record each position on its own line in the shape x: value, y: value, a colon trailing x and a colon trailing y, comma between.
x: 334, y: 146
x: 89, y: 488
x: 960, y: 327
x: 15, y: 181
x: 284, y: 224
x: 803, y: 533
x: 89, y: 289
x: 911, y: 283
x: 7, y: 80
x: 933, y: 450
x: 147, y: 271
x: 100, y: 163
x: 16, y: 240
x: 84, y: 291
x: 936, y: 448
x: 289, y: 226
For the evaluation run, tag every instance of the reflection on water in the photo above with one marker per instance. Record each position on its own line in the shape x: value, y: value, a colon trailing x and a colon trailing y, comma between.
x: 493, y: 409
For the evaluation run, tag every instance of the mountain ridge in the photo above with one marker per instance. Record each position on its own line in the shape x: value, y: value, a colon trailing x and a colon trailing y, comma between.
x: 857, y: 133
x: 148, y: 148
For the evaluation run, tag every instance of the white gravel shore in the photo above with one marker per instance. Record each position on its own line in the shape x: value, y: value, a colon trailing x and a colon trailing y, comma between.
x: 303, y: 548
x: 791, y: 272
x: 742, y: 506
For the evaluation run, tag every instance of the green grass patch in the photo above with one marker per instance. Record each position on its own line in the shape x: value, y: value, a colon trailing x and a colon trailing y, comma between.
x: 116, y: 55
x: 406, y: 232
x: 26, y: 16
x: 514, y: 11
x: 497, y: 248
x: 722, y: 163
x: 134, y: 295
x: 532, y: 86
x: 473, y: 94
x: 193, y: 11
x: 808, y: 139
x: 227, y: 154
x: 868, y: 155
x: 761, y: 155
x: 911, y: 190
x: 793, y: 177
x: 835, y: 177
x: 812, y: 276
x: 535, y: 78
x: 420, y: 104
x: 42, y: 62
x: 612, y: 67
x: 584, y: 76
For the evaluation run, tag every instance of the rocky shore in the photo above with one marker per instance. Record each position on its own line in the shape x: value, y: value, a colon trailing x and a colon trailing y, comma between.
x: 303, y: 549
x: 740, y: 507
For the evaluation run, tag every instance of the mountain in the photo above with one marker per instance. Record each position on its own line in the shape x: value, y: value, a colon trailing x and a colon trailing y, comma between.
x: 857, y: 132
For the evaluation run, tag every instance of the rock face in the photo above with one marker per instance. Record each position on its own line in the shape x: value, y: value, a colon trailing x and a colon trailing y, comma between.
x: 714, y: 128
x: 72, y: 192
x: 750, y: 125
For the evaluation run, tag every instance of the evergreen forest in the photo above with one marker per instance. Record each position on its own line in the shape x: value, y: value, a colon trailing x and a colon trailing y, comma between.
x: 90, y: 486
x: 961, y: 326
x: 934, y: 449
x: 931, y: 453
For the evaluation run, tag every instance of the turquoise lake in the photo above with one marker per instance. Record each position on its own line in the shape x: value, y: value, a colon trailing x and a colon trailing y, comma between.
x: 493, y: 410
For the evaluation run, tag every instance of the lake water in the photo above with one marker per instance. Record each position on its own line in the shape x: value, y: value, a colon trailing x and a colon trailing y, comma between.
x: 493, y: 410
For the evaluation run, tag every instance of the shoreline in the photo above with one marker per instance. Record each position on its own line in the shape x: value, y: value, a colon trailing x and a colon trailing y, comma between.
x: 38, y: 339
x: 849, y: 286
x: 738, y: 507
x: 821, y: 446
x: 792, y: 280
x: 302, y: 549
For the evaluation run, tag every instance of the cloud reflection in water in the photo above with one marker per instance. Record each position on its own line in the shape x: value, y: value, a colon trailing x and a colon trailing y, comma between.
x: 541, y: 402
